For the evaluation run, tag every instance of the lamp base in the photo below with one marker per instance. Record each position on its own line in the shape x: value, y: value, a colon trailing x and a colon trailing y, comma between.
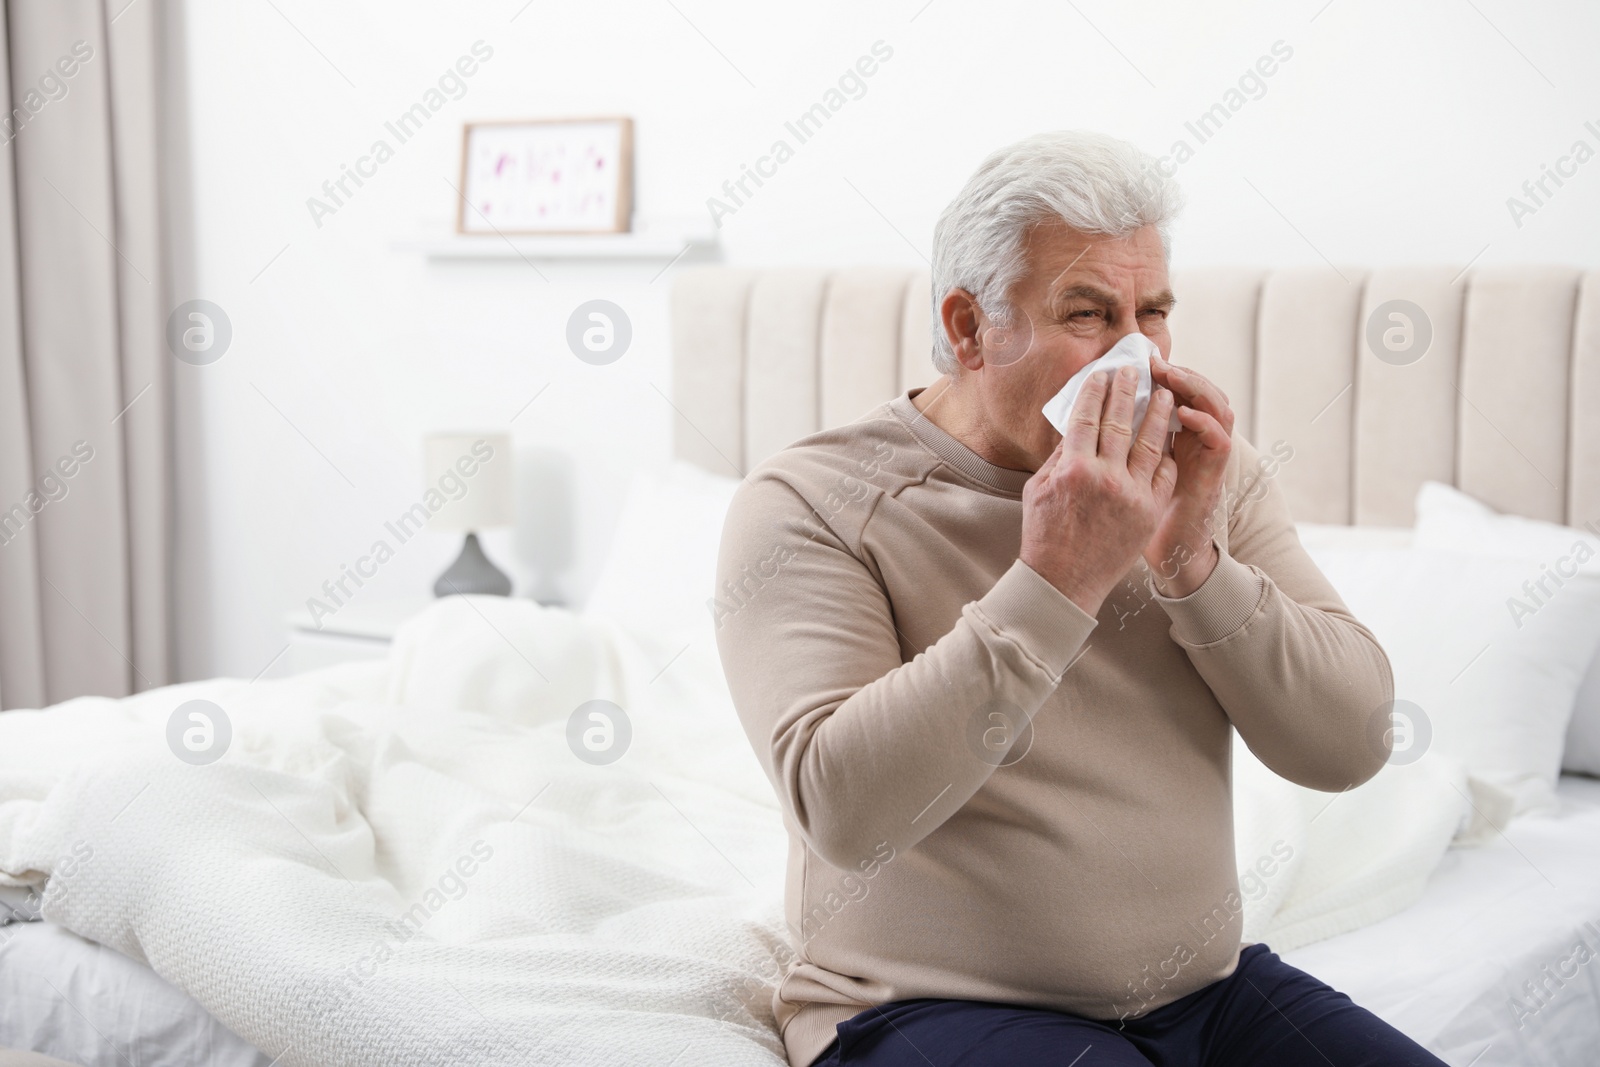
x: 472, y: 573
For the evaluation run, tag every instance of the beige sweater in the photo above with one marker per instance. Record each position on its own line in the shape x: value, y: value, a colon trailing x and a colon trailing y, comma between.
x: 885, y: 646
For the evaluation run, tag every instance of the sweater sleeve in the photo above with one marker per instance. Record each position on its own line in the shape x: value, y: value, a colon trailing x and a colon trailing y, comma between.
x: 862, y: 746
x: 1301, y: 680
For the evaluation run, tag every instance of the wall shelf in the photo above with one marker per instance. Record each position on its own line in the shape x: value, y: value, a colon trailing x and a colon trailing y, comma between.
x: 659, y: 245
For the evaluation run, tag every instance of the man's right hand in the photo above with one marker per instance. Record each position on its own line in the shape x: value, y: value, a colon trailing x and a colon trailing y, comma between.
x: 1089, y: 511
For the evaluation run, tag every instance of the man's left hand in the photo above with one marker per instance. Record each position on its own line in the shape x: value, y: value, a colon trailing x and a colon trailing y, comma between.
x: 1181, y: 553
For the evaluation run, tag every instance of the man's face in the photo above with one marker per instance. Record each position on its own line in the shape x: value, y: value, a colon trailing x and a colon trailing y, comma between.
x: 1081, y: 293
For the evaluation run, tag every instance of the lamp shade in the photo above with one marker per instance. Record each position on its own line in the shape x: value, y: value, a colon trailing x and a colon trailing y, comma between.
x: 468, y: 480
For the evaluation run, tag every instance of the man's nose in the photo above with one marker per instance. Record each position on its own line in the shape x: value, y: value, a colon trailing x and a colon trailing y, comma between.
x: 1115, y: 341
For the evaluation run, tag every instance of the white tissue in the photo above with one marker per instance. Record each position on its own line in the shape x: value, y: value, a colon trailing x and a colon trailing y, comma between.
x: 1133, y: 351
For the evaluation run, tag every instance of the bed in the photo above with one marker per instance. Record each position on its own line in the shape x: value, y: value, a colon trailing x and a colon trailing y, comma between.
x: 307, y: 899
x: 1443, y: 971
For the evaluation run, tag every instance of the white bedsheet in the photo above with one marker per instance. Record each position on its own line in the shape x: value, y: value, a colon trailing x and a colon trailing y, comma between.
x: 627, y: 912
x: 1448, y: 970
x: 94, y: 1007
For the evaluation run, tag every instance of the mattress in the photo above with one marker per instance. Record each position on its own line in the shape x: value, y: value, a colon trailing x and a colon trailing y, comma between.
x: 1498, y: 964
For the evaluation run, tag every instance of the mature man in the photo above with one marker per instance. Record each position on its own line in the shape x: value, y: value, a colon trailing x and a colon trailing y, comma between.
x: 995, y: 677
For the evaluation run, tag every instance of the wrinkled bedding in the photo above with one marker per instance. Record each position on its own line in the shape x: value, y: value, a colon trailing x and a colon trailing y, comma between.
x: 413, y: 861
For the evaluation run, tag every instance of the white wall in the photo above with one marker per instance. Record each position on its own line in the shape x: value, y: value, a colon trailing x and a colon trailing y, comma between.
x: 1394, y: 133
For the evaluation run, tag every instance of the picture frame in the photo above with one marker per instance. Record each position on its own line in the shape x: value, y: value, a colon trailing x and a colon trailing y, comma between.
x: 546, y: 176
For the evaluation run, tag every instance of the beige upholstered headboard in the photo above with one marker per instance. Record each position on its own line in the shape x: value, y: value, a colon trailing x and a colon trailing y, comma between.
x: 1504, y: 403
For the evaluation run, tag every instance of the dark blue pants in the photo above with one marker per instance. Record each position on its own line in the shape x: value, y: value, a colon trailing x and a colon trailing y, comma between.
x: 1266, y: 1014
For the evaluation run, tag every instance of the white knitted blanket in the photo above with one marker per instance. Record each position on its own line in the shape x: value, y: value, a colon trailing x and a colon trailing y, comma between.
x: 406, y: 863
x: 374, y: 876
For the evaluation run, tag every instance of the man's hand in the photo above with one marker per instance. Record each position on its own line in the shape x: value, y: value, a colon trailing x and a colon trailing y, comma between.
x: 1181, y: 553
x: 1098, y: 498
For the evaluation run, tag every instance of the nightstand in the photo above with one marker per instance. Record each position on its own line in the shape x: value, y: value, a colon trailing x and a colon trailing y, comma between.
x: 357, y: 631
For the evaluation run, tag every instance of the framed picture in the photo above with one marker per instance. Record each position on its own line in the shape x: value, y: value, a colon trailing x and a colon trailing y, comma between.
x: 546, y: 176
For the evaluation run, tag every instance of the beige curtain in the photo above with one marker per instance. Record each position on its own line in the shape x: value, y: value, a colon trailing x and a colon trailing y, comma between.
x: 84, y: 394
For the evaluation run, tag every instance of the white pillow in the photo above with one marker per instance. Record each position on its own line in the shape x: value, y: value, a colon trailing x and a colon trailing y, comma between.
x: 1450, y: 519
x: 662, y: 567
x: 1494, y: 695
x: 1582, y: 754
x: 503, y: 656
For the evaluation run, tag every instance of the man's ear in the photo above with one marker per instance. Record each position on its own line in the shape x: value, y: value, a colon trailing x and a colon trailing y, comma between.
x: 963, y: 327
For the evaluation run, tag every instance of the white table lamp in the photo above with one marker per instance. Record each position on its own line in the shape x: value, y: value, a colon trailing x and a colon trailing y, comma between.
x: 469, y: 488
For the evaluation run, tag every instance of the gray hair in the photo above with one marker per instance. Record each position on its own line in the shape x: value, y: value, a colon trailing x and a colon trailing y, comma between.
x: 1093, y: 182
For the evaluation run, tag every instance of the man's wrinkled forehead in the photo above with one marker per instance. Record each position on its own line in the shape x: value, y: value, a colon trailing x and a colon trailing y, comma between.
x: 1155, y: 295
x: 1096, y: 269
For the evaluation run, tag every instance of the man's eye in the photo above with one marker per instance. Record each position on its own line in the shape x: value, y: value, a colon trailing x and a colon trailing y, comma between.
x: 1160, y: 312
x: 1089, y: 312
